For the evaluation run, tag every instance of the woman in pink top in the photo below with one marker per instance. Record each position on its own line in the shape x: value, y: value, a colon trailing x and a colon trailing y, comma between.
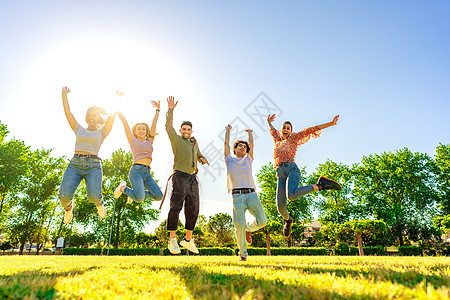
x: 141, y: 142
x: 285, y: 148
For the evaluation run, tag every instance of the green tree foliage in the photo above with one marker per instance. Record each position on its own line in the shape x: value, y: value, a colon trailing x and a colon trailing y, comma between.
x: 272, y: 227
x: 37, y: 201
x: 335, y: 206
x: 442, y: 163
x: 127, y: 219
x: 396, y: 188
x: 222, y: 229
x: 13, y: 166
x: 368, y: 226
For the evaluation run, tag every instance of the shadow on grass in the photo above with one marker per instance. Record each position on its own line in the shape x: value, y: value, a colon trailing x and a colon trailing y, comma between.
x: 408, y: 278
x: 35, y: 284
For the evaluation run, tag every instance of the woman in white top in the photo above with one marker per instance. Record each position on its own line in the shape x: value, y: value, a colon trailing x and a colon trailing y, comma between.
x: 85, y: 163
x: 141, y: 143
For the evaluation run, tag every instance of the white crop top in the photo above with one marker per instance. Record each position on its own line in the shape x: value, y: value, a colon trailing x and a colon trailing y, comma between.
x: 87, y: 140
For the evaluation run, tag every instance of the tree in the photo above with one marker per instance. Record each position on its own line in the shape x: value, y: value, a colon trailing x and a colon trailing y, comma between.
x: 335, y: 206
x: 222, y: 229
x: 271, y: 228
x: 37, y: 200
x: 442, y: 164
x: 397, y: 188
x: 127, y: 219
x: 13, y: 166
x: 360, y: 226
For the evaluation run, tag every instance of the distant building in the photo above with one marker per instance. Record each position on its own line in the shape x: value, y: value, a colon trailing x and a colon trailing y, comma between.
x: 310, y: 230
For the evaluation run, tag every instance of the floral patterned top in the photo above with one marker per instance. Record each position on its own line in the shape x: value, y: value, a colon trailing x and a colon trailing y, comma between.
x: 285, y: 150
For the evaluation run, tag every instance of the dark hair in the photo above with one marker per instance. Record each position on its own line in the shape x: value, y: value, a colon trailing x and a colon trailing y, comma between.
x: 186, y: 123
x: 287, y: 122
x: 241, y: 142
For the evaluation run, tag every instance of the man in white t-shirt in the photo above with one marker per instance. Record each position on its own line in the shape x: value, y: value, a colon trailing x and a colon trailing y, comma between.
x: 242, y: 187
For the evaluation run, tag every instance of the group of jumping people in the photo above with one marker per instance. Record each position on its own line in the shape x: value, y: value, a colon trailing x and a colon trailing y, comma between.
x: 85, y: 164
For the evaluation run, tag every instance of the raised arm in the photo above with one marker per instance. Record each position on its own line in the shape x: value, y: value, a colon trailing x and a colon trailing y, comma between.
x: 155, y: 119
x: 69, y: 115
x: 270, y: 119
x: 128, y: 132
x: 332, y: 123
x: 226, y: 145
x: 169, y: 117
x: 250, y: 141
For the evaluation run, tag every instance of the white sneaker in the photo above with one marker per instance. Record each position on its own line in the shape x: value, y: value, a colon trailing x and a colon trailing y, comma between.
x: 118, y: 190
x: 129, y: 200
x: 101, y: 211
x: 173, y: 246
x: 68, y: 214
x: 189, y: 245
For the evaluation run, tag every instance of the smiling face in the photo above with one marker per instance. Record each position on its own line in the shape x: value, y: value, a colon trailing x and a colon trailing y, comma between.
x: 240, y: 149
x: 93, y: 119
x: 286, y: 130
x: 140, y: 131
x: 186, y: 131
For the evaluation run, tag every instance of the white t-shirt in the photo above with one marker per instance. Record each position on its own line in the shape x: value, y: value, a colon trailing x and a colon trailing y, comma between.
x: 87, y: 140
x: 239, y: 172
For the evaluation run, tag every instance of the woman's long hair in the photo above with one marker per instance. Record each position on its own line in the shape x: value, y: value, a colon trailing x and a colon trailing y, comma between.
x: 147, y: 129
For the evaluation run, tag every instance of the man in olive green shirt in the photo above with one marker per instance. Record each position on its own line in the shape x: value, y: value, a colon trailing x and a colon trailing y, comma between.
x: 184, y: 181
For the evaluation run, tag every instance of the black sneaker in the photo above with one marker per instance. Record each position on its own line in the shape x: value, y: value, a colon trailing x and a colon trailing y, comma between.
x: 328, y: 184
x: 288, y: 227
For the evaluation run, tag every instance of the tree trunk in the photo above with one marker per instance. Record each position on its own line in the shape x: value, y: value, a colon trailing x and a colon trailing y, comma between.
x: 21, y: 248
x: 360, y: 246
x: 1, y: 203
x: 268, y: 244
x: 400, y: 239
x: 117, y: 230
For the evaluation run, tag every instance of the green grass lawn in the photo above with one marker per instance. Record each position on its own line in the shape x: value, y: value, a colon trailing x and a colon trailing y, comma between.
x: 222, y: 277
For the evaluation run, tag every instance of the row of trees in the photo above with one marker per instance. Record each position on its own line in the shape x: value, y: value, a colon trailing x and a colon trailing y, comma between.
x: 407, y: 191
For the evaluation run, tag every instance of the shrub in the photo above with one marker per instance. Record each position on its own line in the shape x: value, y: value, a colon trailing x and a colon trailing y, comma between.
x: 409, y: 251
x: 369, y: 250
x: 204, y: 251
x: 341, y: 249
x: 134, y: 251
x: 286, y: 251
x: 82, y: 251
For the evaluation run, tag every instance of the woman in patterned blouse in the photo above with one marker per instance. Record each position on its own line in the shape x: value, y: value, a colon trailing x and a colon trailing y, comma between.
x: 285, y: 148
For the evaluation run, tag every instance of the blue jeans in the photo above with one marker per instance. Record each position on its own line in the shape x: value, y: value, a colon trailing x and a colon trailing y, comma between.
x: 80, y: 168
x: 242, y: 202
x: 143, y: 185
x: 289, y: 172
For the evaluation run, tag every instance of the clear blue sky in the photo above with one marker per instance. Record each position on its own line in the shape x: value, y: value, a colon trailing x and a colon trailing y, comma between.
x: 383, y: 66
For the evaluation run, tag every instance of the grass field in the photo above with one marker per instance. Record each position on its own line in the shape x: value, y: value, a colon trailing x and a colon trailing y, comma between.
x: 222, y: 277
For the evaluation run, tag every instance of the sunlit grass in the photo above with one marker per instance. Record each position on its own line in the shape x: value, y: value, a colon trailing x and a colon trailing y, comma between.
x: 222, y: 277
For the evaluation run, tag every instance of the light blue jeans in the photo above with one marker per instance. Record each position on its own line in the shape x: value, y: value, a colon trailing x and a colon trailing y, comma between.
x: 242, y: 202
x: 80, y: 168
x: 288, y: 176
x: 143, y: 184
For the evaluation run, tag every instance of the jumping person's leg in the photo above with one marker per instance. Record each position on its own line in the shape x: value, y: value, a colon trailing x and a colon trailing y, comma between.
x: 281, y: 193
x: 152, y: 189
x: 71, y: 180
x: 239, y: 208
x: 176, y: 201
x: 191, y: 210
x: 136, y: 177
x: 257, y: 210
x: 93, y: 179
x: 293, y: 190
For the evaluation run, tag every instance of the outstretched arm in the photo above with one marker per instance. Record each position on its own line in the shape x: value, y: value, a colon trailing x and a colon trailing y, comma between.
x: 169, y: 117
x: 226, y: 145
x: 250, y: 141
x: 270, y: 119
x: 155, y: 119
x: 126, y: 127
x: 332, y: 123
x: 67, y: 112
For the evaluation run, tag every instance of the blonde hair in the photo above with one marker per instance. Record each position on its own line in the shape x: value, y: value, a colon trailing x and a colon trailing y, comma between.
x: 147, y: 129
x: 102, y: 115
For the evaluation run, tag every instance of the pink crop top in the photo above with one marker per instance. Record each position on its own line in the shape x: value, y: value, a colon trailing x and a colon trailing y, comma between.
x: 140, y: 149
